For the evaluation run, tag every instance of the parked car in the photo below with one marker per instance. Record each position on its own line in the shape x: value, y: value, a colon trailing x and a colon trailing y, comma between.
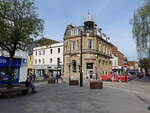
x: 140, y: 75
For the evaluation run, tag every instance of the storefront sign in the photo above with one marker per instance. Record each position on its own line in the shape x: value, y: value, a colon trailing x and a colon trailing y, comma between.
x: 4, y: 62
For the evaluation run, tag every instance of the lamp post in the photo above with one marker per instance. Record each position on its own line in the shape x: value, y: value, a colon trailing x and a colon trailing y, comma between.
x: 58, y: 66
x: 81, y: 74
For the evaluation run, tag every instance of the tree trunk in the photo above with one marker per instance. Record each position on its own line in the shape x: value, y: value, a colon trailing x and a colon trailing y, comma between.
x: 10, y: 71
x: 146, y: 71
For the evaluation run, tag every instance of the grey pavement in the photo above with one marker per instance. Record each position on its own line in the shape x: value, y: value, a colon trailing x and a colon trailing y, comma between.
x: 62, y: 98
x: 138, y: 86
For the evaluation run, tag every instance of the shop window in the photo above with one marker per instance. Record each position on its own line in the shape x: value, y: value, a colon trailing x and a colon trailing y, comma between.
x: 58, y: 62
x: 4, y: 74
x: 103, y: 72
x: 74, y: 66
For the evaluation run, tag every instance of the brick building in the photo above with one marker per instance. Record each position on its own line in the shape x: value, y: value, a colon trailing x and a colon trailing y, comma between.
x: 120, y: 56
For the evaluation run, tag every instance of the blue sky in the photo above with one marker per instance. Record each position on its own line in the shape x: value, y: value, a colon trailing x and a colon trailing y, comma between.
x: 113, y: 16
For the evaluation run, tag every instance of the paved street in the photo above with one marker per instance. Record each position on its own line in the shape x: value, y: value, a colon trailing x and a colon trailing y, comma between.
x: 138, y: 86
x: 61, y: 98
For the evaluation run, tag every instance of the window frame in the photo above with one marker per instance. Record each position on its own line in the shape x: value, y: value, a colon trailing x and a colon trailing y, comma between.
x: 90, y: 44
x: 51, y: 51
x: 59, y: 50
x: 74, y: 66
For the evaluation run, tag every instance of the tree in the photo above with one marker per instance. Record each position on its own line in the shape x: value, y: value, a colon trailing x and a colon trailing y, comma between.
x: 19, y: 24
x: 141, y: 30
x: 145, y: 64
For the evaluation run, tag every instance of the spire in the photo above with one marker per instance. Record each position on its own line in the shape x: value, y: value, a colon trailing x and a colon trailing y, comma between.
x: 88, y: 18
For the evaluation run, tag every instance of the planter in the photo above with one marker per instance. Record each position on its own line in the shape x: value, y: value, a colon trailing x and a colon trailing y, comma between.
x: 73, y: 82
x: 96, y: 84
x: 51, y: 81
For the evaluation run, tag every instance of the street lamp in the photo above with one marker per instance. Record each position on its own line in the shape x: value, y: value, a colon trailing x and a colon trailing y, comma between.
x: 81, y: 74
x: 58, y: 66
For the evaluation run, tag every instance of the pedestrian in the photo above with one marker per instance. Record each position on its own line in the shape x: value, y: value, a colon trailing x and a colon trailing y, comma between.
x: 45, y: 76
x: 62, y: 77
x: 34, y: 76
x: 29, y: 83
x: 57, y: 77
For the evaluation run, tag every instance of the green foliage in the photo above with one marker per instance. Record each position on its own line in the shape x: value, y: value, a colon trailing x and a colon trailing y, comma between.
x: 19, y: 23
x: 141, y: 30
x: 144, y: 63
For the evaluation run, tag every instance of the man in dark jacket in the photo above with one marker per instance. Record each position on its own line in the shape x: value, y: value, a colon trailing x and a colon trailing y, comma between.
x: 29, y: 83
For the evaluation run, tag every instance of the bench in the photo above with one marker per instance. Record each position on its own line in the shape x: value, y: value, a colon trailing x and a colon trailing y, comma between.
x: 19, y: 89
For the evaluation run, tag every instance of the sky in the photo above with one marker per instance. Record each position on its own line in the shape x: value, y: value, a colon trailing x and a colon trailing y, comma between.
x: 113, y: 16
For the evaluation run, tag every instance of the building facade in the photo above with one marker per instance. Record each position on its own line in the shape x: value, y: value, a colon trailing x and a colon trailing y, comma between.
x: 48, y: 59
x: 40, y: 42
x: 96, y: 51
x: 133, y: 65
x: 115, y: 61
x: 118, y: 58
x: 19, y: 67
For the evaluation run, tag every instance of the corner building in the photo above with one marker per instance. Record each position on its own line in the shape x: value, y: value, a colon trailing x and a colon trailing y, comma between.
x: 96, y: 51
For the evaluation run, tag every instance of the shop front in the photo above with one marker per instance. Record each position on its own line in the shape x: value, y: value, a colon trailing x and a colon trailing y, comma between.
x: 16, y: 65
x: 53, y: 71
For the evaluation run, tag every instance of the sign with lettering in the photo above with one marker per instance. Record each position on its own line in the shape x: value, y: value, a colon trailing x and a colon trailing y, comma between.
x: 5, y: 60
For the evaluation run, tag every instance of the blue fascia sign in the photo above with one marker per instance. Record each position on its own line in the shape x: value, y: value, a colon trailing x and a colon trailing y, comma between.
x: 4, y: 62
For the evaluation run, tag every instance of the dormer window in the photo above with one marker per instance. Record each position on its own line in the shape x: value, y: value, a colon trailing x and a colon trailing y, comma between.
x: 74, y: 32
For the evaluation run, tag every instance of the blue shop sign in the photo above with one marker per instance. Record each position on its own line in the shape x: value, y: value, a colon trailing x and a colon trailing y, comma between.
x: 4, y: 62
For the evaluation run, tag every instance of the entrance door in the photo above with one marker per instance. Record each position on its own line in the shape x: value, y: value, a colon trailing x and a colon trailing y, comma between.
x: 90, y: 72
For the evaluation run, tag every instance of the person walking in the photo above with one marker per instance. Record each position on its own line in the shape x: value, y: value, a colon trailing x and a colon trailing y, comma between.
x: 29, y: 83
x: 62, y: 77
x: 57, y: 77
x: 33, y: 77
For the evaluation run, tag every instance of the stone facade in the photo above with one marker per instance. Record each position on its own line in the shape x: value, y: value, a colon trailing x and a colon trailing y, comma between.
x: 96, y: 51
